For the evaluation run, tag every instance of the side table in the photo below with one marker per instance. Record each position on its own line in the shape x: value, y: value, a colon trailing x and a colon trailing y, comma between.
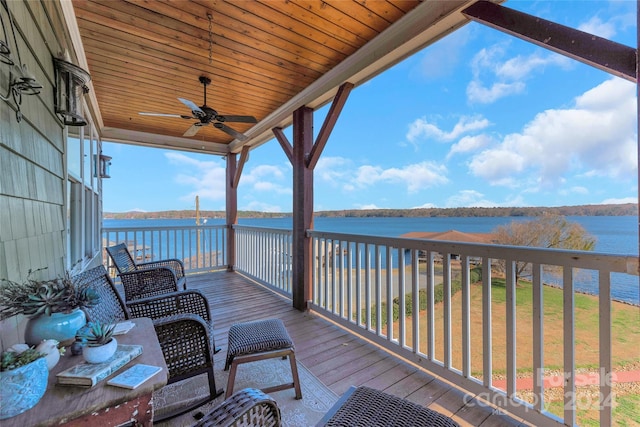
x: 102, y: 404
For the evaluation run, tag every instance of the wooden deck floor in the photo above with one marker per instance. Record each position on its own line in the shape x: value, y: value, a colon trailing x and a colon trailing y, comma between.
x: 335, y: 356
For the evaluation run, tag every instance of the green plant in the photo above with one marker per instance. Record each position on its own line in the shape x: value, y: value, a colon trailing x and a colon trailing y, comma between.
x: 95, y: 334
x: 37, y: 297
x: 12, y: 360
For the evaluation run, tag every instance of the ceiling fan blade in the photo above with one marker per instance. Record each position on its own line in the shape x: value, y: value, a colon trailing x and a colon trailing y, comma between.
x: 181, y: 116
x: 234, y: 133
x: 237, y: 119
x: 193, y: 129
x: 193, y: 107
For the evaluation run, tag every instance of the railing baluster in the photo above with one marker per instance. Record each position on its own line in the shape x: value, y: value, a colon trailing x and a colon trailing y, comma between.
x: 487, y: 340
x: 606, y: 402
x: 538, y: 337
x: 431, y: 323
x: 349, y: 273
x: 402, y: 338
x: 466, y: 316
x: 569, y: 347
x: 367, y: 288
x: 390, y: 295
x: 378, y: 285
x: 342, y: 295
x: 446, y: 266
x: 510, y: 271
x: 358, y: 313
x: 415, y: 295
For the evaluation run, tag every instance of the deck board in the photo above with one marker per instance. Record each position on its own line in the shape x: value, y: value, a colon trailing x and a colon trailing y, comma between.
x: 335, y: 356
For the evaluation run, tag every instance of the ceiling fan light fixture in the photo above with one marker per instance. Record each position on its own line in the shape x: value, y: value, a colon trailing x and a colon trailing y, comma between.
x: 206, y: 115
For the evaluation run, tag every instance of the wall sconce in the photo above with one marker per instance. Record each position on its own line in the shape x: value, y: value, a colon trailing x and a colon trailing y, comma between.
x: 21, y: 81
x: 5, y: 53
x: 24, y: 83
x: 71, y: 84
x: 103, y: 165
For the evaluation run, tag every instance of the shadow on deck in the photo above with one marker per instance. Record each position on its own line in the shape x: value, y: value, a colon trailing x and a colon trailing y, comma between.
x: 334, y: 355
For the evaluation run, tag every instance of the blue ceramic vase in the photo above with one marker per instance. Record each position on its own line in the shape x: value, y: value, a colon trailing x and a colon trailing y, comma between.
x: 59, y: 326
x: 22, y: 388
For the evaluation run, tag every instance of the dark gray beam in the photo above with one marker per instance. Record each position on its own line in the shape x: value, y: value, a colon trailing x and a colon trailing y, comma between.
x: 612, y: 57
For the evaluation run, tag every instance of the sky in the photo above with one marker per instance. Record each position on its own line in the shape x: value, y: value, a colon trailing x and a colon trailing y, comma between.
x: 478, y: 119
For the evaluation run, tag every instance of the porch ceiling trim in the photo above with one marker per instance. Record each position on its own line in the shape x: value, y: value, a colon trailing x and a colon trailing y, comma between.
x: 162, y: 141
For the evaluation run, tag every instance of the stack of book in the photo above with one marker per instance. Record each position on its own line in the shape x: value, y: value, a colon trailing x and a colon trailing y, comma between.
x: 89, y: 374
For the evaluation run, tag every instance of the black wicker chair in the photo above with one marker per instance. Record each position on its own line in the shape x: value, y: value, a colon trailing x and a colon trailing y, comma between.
x: 181, y: 320
x: 248, y: 407
x: 146, y: 279
x: 367, y: 407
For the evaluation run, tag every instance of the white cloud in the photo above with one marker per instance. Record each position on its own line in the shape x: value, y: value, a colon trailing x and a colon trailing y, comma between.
x: 180, y: 159
x: 415, y: 177
x: 266, y: 178
x: 623, y: 200
x: 207, y: 178
x: 597, y: 137
x: 495, y: 78
x: 425, y: 206
x: 261, y: 207
x: 423, y: 129
x: 476, y: 92
x: 367, y: 207
x: 520, y: 67
x: 442, y: 58
x: 469, y: 198
x: 577, y: 189
x: 332, y: 170
x: 469, y: 144
x: 597, y: 27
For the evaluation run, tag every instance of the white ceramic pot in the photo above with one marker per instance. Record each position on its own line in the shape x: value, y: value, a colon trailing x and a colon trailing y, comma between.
x: 101, y: 353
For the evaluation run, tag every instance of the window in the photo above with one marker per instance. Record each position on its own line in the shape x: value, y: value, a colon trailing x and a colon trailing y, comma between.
x: 83, y: 196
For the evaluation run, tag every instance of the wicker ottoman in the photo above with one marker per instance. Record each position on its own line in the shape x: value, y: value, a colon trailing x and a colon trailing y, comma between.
x: 258, y: 340
x: 367, y: 407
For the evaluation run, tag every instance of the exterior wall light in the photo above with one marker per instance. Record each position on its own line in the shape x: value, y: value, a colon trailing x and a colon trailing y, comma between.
x: 104, y: 164
x: 71, y: 85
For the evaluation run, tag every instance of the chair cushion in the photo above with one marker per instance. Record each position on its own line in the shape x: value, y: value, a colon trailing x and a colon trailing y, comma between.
x: 257, y: 337
x: 367, y: 407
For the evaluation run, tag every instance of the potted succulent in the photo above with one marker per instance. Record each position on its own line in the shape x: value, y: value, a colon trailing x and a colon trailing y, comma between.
x: 53, y: 305
x: 98, y: 341
x: 23, y: 380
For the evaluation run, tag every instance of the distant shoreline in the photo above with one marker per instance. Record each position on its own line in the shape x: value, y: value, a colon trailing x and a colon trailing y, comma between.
x: 627, y: 209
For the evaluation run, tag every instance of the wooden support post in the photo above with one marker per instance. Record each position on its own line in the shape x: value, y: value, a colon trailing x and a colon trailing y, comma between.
x: 232, y: 210
x: 302, y: 206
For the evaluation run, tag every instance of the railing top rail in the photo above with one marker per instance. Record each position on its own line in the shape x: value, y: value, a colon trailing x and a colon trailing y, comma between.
x: 627, y: 263
x: 163, y: 227
x: 264, y: 229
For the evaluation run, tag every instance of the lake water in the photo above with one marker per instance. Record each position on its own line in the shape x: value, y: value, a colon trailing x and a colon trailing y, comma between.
x: 614, y: 234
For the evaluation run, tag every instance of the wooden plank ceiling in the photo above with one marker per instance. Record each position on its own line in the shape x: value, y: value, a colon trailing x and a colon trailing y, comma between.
x: 264, y: 58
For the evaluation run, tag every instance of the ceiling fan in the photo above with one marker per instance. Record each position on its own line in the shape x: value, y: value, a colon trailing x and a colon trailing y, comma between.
x: 206, y: 115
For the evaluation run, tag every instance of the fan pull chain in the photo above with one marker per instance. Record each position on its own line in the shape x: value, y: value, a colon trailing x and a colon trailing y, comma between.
x: 210, y: 39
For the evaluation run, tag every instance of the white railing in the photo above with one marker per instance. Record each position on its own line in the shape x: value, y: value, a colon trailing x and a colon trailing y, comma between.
x: 265, y: 255
x: 200, y: 248
x: 372, y: 285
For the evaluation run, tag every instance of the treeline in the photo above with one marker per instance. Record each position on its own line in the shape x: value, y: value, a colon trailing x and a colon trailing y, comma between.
x: 581, y: 210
